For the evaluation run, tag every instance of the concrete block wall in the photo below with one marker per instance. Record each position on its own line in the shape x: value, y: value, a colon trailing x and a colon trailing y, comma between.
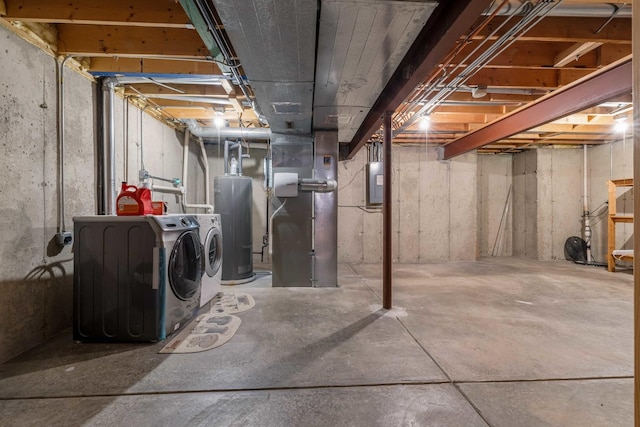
x: 547, y: 185
x: 560, y: 189
x: 434, y: 209
x: 35, y: 275
x: 495, y: 205
x: 525, y: 209
x: 610, y: 161
x: 36, y: 285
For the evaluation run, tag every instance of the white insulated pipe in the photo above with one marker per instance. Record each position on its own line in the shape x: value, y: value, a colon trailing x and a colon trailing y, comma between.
x: 185, y: 162
x: 60, y: 88
x: 109, y: 174
x: 205, y: 162
x: 226, y: 132
x: 165, y: 189
x: 585, y: 203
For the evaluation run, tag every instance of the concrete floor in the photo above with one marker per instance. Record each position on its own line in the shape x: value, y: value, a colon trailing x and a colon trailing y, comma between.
x: 500, y: 342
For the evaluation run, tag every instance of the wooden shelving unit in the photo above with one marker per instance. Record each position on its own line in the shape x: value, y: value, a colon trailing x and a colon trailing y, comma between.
x: 614, y: 254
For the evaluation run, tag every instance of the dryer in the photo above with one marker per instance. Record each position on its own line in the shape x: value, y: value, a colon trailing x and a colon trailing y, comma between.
x: 211, y: 238
x: 136, y: 278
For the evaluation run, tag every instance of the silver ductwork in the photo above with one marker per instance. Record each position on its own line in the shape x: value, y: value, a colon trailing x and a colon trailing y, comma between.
x: 208, y: 80
x: 202, y: 99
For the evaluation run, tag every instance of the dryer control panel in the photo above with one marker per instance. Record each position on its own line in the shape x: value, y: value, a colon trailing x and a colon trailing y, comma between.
x: 176, y: 222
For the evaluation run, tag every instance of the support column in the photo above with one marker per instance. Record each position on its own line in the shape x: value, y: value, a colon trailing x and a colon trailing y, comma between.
x: 386, y: 215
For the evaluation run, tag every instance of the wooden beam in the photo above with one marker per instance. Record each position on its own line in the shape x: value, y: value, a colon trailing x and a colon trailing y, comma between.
x: 611, y: 82
x: 231, y: 94
x: 505, y: 98
x: 158, y: 13
x: 549, y: 78
x: 562, y: 29
x: 543, y: 55
x: 467, y: 109
x: 574, y: 52
x: 89, y: 40
x: 152, y: 66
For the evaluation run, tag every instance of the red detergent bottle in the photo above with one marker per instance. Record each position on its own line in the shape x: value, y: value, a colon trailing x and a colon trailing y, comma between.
x: 134, y: 201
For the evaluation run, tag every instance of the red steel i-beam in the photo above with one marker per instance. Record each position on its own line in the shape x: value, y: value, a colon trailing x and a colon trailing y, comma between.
x: 594, y: 89
x: 386, y: 214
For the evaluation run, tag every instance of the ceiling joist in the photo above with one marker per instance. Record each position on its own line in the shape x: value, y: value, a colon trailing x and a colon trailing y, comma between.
x: 611, y: 82
x: 568, y: 29
x: 82, y: 40
x: 153, y: 66
x: 119, y: 12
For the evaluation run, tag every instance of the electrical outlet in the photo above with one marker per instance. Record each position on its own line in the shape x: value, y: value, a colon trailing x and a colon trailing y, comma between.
x: 64, y: 238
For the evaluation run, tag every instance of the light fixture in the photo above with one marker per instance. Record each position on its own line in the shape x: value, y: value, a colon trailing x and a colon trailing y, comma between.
x: 219, y: 122
x: 479, y: 91
x: 621, y: 125
x: 425, y: 122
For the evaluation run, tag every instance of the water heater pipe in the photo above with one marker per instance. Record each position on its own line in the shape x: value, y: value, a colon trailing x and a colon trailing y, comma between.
x: 585, y: 204
x: 229, y: 145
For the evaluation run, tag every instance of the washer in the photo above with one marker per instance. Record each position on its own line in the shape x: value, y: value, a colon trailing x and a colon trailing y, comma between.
x: 211, y: 238
x: 136, y: 278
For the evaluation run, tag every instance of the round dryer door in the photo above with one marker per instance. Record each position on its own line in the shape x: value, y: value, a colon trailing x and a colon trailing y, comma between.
x: 185, y: 266
x: 213, y: 252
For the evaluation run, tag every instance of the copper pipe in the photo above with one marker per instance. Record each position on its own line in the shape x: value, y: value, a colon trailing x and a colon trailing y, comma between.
x: 386, y: 214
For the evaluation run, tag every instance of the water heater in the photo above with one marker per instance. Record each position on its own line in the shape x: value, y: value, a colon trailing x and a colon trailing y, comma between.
x: 233, y: 201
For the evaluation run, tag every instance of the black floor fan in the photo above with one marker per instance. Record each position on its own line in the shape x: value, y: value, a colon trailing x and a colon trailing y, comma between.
x: 575, y: 249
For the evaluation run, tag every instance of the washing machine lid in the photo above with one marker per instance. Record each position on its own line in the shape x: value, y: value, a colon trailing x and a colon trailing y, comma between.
x: 185, y: 265
x: 213, y: 252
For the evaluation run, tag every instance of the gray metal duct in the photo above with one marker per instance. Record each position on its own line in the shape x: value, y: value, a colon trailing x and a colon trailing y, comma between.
x: 276, y: 43
x: 225, y: 132
x: 212, y: 79
x: 186, y: 98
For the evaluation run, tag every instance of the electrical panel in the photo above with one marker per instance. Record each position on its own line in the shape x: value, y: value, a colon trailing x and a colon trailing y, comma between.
x: 374, y: 183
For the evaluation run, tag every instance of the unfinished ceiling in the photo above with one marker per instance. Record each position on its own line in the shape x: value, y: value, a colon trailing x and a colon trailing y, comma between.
x: 297, y: 66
